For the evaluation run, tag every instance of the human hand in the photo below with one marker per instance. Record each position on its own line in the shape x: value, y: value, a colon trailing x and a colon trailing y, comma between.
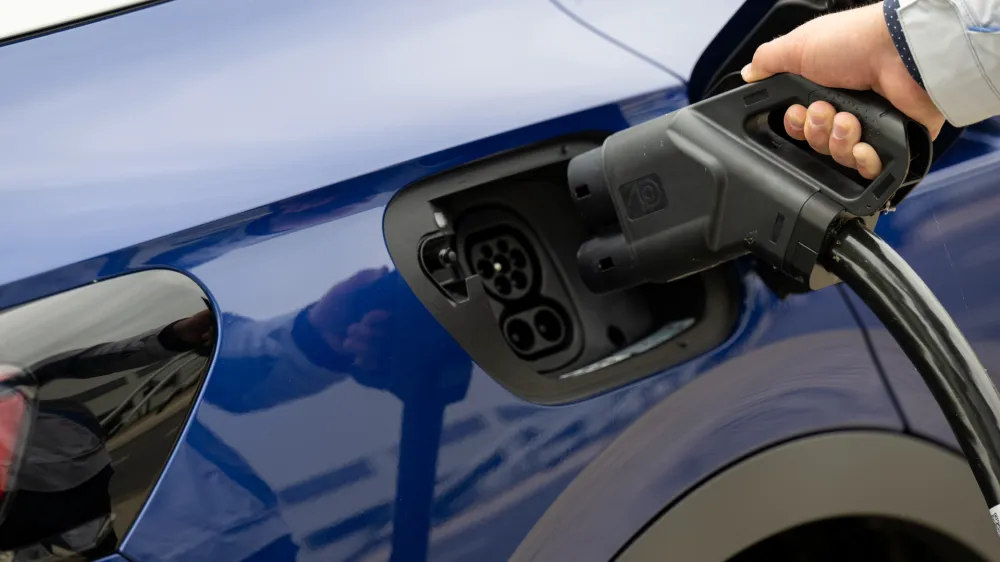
x: 196, y: 329
x: 368, y: 339
x: 353, y: 319
x: 851, y: 50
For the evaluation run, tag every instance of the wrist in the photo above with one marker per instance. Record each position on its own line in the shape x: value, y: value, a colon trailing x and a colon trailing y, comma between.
x: 883, y: 51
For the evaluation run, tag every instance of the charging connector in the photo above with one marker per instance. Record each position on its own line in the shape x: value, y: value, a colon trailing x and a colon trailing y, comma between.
x: 716, y: 180
x: 720, y: 179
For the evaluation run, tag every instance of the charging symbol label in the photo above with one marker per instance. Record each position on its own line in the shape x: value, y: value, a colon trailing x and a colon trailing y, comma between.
x: 643, y: 196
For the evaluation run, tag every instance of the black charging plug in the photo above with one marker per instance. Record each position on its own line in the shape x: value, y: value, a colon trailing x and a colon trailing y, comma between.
x: 719, y: 179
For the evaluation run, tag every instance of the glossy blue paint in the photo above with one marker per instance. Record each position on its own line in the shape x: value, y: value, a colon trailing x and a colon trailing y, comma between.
x: 298, y: 451
x: 319, y: 436
x: 948, y: 231
x: 499, y: 463
x: 138, y: 126
x: 642, y: 25
x: 292, y: 453
x: 280, y: 376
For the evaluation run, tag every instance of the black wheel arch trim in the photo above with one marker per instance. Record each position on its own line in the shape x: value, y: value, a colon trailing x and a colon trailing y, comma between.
x: 823, y: 476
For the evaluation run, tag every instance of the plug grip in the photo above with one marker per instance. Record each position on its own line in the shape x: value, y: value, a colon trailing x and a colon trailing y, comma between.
x: 756, y: 111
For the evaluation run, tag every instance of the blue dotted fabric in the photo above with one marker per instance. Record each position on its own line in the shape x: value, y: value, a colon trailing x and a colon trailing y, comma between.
x: 891, y: 10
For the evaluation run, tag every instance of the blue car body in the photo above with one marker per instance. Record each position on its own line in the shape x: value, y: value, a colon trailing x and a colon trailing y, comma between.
x: 254, y: 146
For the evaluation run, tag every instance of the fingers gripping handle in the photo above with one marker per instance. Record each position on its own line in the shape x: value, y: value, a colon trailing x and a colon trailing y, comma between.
x: 906, y: 144
x: 756, y: 110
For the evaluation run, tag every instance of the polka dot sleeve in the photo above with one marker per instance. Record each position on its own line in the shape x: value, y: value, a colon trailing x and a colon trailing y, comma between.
x: 889, y: 8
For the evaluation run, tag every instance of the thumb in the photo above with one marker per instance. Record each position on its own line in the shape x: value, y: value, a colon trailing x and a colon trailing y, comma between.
x: 783, y: 54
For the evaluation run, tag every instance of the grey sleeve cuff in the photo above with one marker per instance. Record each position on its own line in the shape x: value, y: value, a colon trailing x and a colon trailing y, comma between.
x: 957, y: 55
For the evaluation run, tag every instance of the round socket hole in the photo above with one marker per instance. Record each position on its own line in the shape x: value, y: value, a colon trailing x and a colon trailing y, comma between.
x: 548, y: 325
x: 520, y: 335
x: 502, y: 285
x: 486, y: 250
x: 501, y: 264
x: 485, y: 269
x: 519, y: 280
x: 503, y: 246
x: 518, y: 259
x: 616, y: 337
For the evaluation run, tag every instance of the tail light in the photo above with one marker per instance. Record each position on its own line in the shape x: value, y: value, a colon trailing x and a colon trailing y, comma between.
x: 17, y: 406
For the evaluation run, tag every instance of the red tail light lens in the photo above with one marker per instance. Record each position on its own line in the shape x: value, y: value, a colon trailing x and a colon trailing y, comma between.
x: 13, y: 411
x: 15, y: 422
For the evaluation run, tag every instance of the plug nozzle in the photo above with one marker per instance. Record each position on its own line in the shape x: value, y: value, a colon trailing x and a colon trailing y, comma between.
x: 589, y: 189
x: 607, y: 265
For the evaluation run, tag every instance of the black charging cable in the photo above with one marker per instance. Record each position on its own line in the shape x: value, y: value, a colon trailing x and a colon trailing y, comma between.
x: 931, y: 340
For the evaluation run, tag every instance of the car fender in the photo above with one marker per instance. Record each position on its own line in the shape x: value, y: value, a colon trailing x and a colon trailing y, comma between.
x: 822, y: 477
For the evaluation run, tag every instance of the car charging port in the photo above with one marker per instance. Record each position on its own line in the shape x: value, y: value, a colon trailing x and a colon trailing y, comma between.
x: 528, y: 294
x: 490, y: 249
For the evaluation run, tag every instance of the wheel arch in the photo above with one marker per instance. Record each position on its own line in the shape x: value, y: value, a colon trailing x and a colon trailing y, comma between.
x: 825, y: 476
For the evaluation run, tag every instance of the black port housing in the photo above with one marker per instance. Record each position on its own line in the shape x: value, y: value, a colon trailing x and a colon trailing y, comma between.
x: 490, y: 249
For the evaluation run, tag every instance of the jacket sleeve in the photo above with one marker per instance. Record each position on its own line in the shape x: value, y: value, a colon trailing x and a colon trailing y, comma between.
x: 952, y: 48
x: 278, y: 360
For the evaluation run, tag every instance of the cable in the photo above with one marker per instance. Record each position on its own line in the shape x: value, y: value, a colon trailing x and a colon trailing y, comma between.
x: 870, y: 346
x: 932, y: 341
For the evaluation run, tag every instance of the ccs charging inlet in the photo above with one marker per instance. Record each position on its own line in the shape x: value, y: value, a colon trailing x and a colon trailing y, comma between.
x: 720, y: 179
